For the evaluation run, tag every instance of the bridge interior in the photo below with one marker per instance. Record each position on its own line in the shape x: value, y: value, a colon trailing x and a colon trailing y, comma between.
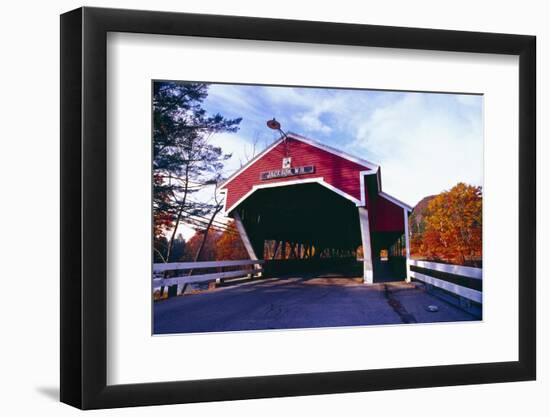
x: 309, y: 229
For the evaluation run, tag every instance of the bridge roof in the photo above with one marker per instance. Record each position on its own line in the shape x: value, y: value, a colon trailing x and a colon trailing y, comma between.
x: 340, y: 172
x: 295, y: 136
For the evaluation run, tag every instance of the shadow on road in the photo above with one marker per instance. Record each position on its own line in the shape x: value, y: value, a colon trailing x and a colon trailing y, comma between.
x: 297, y: 303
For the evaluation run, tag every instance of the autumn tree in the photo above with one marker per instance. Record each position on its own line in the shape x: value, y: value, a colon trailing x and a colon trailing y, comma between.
x: 217, y: 206
x: 230, y: 246
x: 417, y: 226
x: 208, y: 242
x: 450, y: 227
x: 219, y: 243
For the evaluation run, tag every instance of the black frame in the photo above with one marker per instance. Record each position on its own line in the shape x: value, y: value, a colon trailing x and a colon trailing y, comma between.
x: 84, y: 208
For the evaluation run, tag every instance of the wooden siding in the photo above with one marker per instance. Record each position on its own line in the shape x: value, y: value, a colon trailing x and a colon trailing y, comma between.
x: 386, y: 215
x: 335, y: 170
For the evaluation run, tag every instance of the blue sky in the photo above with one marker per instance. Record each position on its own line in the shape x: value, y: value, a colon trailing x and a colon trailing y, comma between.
x: 424, y: 142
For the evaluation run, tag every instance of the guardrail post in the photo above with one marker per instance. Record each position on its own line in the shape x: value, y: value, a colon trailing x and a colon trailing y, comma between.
x: 172, y: 291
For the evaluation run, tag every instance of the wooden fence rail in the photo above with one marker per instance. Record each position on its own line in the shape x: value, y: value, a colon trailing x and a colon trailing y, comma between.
x: 465, y: 271
x: 454, y: 270
x: 160, y: 268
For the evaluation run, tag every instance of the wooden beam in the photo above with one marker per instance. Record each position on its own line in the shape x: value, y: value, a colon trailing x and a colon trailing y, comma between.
x: 465, y: 271
x: 161, y: 267
x: 275, y: 249
x: 203, y: 277
x: 244, y: 237
x: 368, y: 277
x: 293, y: 250
x: 465, y: 292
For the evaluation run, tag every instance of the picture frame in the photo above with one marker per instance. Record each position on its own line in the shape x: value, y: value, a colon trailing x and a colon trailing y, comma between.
x: 84, y: 181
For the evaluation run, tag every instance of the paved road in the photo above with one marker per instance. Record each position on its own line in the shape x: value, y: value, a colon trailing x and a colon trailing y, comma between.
x: 300, y: 303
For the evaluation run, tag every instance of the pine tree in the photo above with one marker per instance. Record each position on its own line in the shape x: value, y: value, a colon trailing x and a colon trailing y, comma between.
x: 184, y: 161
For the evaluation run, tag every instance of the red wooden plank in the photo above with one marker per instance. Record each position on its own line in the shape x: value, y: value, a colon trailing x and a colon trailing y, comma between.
x: 335, y: 170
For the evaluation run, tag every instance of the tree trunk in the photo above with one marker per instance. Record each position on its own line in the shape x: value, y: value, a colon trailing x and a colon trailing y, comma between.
x: 201, y: 246
x: 203, y: 241
x: 178, y: 219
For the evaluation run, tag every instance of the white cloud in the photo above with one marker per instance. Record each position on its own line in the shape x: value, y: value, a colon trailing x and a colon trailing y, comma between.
x: 468, y: 100
x: 240, y: 148
x: 308, y: 107
x: 286, y: 95
x: 311, y: 122
x: 233, y: 98
x: 424, y: 145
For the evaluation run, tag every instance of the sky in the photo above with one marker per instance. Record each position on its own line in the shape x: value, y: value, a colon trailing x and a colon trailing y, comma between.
x: 424, y: 142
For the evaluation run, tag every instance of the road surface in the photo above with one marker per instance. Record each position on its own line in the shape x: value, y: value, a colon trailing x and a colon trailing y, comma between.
x: 293, y: 303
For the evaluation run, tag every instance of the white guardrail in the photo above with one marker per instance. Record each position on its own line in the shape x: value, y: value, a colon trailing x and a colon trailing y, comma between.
x: 462, y: 271
x: 213, y: 276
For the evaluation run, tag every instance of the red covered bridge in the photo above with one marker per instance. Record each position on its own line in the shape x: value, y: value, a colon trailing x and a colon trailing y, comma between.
x: 306, y: 207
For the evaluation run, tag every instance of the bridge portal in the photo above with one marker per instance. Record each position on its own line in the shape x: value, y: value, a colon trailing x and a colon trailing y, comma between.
x: 306, y: 208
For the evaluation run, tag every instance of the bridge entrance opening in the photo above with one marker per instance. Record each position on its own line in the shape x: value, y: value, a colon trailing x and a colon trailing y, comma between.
x: 304, y: 229
x: 391, y: 264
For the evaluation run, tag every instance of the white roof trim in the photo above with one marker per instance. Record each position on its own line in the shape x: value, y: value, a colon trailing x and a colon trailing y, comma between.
x: 224, y: 192
x: 321, y: 181
x: 311, y: 142
x: 362, y: 185
x: 251, y: 162
x: 318, y: 180
x: 333, y: 151
x: 395, y: 201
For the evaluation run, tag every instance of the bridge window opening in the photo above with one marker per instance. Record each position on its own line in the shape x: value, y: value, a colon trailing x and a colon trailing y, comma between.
x: 399, y: 247
x: 359, y: 253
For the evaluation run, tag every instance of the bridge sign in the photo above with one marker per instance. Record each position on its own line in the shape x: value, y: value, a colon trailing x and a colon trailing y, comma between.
x: 287, y: 172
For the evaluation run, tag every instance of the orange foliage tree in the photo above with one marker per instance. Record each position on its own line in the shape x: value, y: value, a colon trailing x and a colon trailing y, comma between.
x: 219, y: 245
x: 230, y: 246
x: 451, y: 226
x: 209, y: 249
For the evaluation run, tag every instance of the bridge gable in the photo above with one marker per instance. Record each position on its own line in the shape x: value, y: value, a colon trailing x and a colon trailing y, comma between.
x: 386, y: 215
x: 311, y: 163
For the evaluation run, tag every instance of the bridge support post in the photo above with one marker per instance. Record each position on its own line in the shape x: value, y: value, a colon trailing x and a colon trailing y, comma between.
x: 367, y: 251
x: 245, y: 239
x: 407, y: 244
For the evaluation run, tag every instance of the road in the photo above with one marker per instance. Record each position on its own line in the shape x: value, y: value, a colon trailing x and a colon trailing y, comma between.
x: 293, y: 303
